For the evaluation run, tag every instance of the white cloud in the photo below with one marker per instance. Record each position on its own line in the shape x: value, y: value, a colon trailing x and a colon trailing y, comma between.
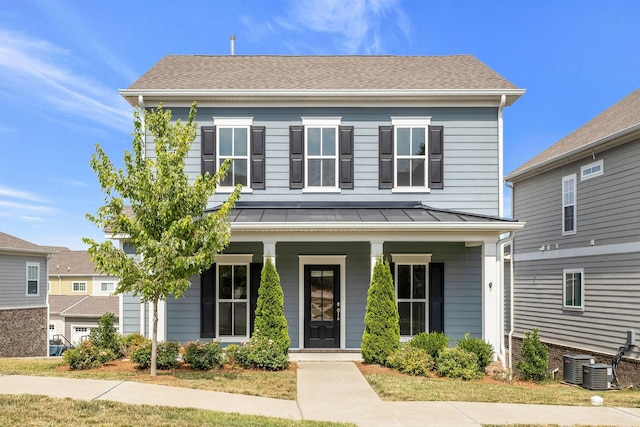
x: 35, y: 72
x: 19, y: 194
x: 357, y: 26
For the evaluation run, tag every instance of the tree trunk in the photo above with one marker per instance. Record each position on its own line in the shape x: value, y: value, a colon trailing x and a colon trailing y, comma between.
x: 154, y: 339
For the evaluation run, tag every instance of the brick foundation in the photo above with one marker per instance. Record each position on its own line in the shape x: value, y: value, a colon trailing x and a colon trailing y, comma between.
x: 628, y: 369
x: 24, y: 332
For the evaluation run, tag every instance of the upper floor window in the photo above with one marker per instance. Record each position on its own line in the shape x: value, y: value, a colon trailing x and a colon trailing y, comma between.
x: 235, y: 139
x: 411, y: 155
x: 33, y: 278
x: 573, y: 288
x: 79, y: 286
x: 592, y: 170
x: 569, y: 204
x: 321, y: 155
x: 107, y: 286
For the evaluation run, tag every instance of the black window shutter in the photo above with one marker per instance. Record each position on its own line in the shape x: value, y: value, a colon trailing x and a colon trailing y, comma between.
x: 256, y: 277
x: 346, y: 156
x: 296, y: 153
x: 386, y: 157
x: 208, y: 149
x: 436, y: 297
x: 436, y: 155
x: 257, y: 158
x: 208, y: 303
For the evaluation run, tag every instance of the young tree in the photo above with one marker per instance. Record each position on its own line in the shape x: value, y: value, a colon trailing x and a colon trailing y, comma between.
x: 270, y: 321
x: 381, y: 336
x: 172, y: 236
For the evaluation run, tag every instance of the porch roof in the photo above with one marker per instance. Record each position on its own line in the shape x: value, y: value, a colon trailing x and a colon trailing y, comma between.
x: 359, y: 216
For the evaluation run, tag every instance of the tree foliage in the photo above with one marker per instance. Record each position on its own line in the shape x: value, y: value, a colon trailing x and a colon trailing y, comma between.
x: 534, y: 365
x: 174, y: 239
x: 270, y: 321
x: 381, y: 336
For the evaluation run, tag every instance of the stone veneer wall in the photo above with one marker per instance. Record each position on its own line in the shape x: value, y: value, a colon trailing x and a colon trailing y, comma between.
x: 24, y: 332
x: 628, y: 369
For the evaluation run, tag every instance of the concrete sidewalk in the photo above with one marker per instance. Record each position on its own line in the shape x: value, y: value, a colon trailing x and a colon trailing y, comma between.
x: 327, y: 391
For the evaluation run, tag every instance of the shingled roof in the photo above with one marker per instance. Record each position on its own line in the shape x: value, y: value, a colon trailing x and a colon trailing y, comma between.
x: 67, y: 262
x: 619, y: 120
x: 9, y: 243
x: 83, y: 305
x: 281, y: 74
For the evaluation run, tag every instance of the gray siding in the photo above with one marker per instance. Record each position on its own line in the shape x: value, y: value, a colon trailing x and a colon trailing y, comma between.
x: 470, y: 154
x: 130, y: 314
x: 606, y: 217
x: 13, y: 281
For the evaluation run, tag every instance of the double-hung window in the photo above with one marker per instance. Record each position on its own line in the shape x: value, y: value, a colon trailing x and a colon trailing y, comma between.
x: 33, y: 279
x: 573, y: 289
x: 411, y: 152
x: 233, y: 297
x: 233, y: 143
x: 107, y: 287
x: 321, y: 153
x: 411, y: 285
x: 569, y: 204
x: 79, y: 286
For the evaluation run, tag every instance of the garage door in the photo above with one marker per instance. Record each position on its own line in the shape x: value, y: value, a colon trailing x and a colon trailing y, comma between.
x: 78, y: 333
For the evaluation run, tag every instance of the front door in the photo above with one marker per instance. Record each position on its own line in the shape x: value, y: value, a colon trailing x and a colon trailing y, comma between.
x: 322, y: 306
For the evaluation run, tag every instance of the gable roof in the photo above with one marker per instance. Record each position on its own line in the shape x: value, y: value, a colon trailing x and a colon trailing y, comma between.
x: 619, y: 121
x: 67, y: 262
x: 191, y: 75
x: 9, y: 243
x: 57, y: 303
x: 83, y: 305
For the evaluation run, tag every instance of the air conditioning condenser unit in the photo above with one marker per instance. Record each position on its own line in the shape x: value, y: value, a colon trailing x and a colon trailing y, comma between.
x: 597, y: 376
x: 573, y: 367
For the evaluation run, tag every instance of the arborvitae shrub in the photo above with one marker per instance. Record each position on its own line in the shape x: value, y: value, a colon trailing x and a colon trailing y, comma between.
x: 534, y: 365
x: 270, y: 322
x: 381, y: 336
x: 482, y: 349
x: 431, y: 342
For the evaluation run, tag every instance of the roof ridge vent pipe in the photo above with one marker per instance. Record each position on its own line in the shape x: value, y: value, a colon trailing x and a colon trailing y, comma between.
x: 233, y: 45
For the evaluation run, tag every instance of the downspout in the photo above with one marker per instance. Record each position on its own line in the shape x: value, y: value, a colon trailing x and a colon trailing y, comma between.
x: 510, y: 365
x: 500, y: 255
x: 503, y: 101
x: 142, y: 122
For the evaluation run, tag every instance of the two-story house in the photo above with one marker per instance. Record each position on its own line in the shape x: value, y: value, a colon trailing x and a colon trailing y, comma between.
x: 343, y: 159
x: 78, y: 294
x: 577, y: 262
x: 23, y: 297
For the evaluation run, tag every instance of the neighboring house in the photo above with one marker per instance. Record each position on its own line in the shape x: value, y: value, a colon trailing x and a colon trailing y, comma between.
x: 23, y: 297
x: 343, y: 159
x: 577, y: 262
x: 73, y: 273
x: 73, y: 316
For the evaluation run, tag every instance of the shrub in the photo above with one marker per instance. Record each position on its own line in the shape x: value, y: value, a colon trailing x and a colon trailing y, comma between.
x: 262, y: 353
x: 482, y: 349
x: 231, y: 354
x: 131, y: 341
x: 270, y: 321
x: 458, y: 363
x: 87, y: 355
x: 432, y: 342
x: 411, y: 360
x: 535, y: 358
x: 105, y: 335
x: 168, y: 353
x: 203, y: 356
x: 381, y: 336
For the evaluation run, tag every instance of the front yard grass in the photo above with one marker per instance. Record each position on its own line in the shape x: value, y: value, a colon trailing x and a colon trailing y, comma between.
x: 41, y: 411
x: 392, y: 386
x: 278, y: 385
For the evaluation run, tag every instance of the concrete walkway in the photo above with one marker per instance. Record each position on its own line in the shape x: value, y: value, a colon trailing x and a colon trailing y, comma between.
x: 327, y: 391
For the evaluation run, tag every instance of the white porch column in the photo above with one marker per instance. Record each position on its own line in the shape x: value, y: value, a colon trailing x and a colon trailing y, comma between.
x: 269, y: 251
x: 492, y: 292
x: 377, y: 248
x: 162, y: 320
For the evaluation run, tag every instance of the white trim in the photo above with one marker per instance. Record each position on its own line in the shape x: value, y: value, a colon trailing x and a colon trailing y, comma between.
x: 564, y: 289
x: 612, y: 249
x: 411, y: 122
x: 411, y: 258
x: 233, y: 121
x: 321, y: 121
x: 565, y: 179
x: 26, y: 282
x: 234, y: 258
x: 340, y: 260
x: 590, y: 166
x: 241, y: 124
x: 472, y: 227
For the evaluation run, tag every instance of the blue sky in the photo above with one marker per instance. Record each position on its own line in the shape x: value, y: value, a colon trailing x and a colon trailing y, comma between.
x: 62, y: 63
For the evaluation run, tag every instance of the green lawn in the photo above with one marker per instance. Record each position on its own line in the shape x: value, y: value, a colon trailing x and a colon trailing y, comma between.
x: 40, y: 411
